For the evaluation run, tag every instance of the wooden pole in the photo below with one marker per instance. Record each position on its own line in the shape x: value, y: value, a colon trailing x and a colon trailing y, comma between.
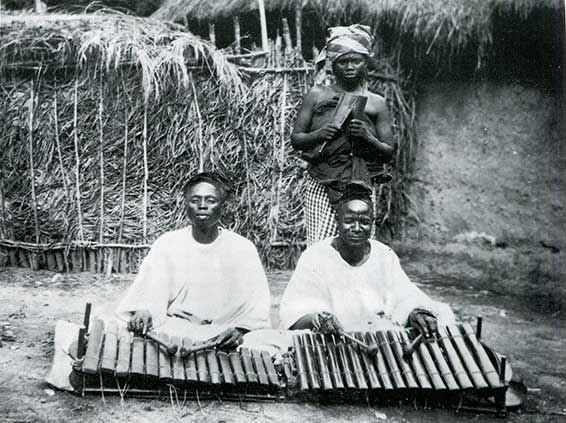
x: 3, y: 229
x: 62, y: 264
x: 286, y: 36
x: 145, y: 174
x: 101, y: 166
x: 237, y: 45
x: 58, y: 145
x: 212, y: 33
x: 298, y: 28
x: 263, y: 24
x: 124, y: 173
x: 281, y: 157
x: 31, y: 164
x: 77, y: 160
x: 199, y: 120
x: 248, y: 182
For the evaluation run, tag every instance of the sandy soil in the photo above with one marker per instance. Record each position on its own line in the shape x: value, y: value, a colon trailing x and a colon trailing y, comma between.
x: 32, y: 302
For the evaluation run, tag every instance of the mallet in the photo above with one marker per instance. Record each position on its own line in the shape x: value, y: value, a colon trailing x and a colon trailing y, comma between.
x: 370, y: 349
x: 171, y: 348
x: 186, y: 351
x: 408, y: 351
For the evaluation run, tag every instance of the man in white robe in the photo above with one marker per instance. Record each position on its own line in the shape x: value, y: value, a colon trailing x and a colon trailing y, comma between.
x: 356, y: 281
x: 200, y: 281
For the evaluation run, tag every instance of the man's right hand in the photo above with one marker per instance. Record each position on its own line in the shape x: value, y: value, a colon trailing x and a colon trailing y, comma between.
x: 140, y: 322
x: 327, y: 132
x: 327, y: 323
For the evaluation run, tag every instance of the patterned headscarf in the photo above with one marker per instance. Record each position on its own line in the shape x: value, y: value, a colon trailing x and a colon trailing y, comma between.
x: 342, y: 40
x: 348, y: 39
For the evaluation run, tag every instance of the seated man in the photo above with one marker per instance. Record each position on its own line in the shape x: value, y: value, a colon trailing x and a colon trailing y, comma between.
x: 354, y: 283
x: 200, y: 281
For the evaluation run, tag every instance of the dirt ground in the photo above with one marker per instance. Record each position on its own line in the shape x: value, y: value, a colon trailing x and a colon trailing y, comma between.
x: 32, y: 302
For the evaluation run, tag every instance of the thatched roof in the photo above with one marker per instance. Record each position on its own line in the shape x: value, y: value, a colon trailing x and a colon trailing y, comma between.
x: 460, y: 13
x: 104, y: 43
x: 427, y: 27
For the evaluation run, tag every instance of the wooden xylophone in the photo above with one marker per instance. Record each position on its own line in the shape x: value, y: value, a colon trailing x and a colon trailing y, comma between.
x: 317, y: 367
x: 116, y: 361
x: 454, y: 362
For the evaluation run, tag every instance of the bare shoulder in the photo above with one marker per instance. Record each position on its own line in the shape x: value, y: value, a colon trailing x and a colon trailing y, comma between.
x: 377, y: 101
x: 376, y: 106
x: 317, y: 91
x: 317, y: 94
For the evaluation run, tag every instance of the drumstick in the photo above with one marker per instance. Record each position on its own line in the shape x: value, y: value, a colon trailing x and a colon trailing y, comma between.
x: 171, y: 348
x: 408, y: 351
x: 186, y: 351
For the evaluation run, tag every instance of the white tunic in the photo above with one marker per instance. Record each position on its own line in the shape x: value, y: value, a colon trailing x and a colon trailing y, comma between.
x: 362, y: 296
x: 223, y: 282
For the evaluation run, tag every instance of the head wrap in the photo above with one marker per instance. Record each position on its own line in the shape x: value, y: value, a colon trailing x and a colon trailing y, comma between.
x: 217, y: 179
x: 356, y: 191
x: 347, y: 39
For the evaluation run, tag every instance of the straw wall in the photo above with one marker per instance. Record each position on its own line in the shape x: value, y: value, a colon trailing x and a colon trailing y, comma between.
x: 93, y: 165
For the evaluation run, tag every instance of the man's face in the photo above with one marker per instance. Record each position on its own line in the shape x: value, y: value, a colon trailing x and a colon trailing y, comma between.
x: 204, y: 204
x: 354, y: 220
x: 350, y: 67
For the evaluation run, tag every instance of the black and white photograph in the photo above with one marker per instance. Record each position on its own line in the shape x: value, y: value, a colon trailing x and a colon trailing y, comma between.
x: 287, y: 211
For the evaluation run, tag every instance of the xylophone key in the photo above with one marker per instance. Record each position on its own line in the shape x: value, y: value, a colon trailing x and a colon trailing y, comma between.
x: 469, y: 362
x: 270, y: 368
x: 260, y: 368
x: 202, y: 368
x: 368, y: 366
x: 108, y: 362
x: 357, y: 367
x: 445, y: 371
x: 390, y: 360
x: 415, y: 360
x: 236, y: 362
x: 124, y: 353
x: 321, y: 360
x: 138, y: 352
x: 287, y: 360
x: 483, y: 360
x: 93, y: 349
x: 431, y: 369
x: 345, y: 366
x: 301, y: 365
x: 248, y: 366
x: 213, y: 367
x: 454, y: 360
x: 406, y: 370
x: 190, y: 362
x: 178, y: 366
x: 380, y: 364
x: 227, y: 375
x: 151, y: 357
x: 225, y: 370
x: 165, y: 371
x: 311, y: 368
x: 333, y: 365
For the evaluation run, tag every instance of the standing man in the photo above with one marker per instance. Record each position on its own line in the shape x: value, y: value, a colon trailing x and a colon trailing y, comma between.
x: 338, y: 155
x: 200, y: 281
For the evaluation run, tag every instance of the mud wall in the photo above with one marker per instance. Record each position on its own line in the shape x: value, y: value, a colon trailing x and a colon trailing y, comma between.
x: 491, y: 159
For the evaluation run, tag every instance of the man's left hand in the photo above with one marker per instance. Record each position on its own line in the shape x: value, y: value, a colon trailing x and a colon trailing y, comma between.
x: 424, y: 322
x: 230, y: 338
x: 360, y: 129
